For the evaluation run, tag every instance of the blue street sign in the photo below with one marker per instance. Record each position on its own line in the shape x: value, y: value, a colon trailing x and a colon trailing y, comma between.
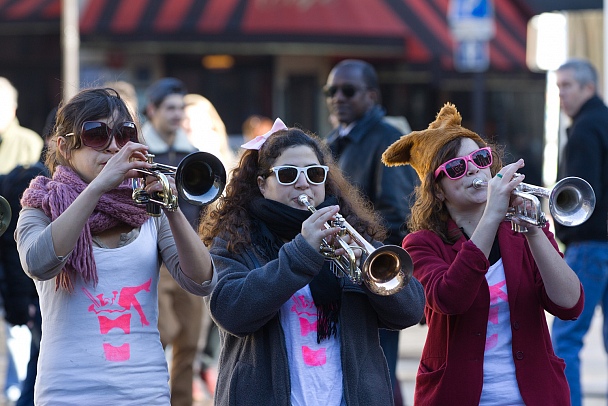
x: 466, y: 9
x: 471, y: 19
x: 471, y: 56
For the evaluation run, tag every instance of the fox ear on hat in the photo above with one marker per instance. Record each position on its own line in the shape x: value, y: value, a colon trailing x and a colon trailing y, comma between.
x: 447, y: 116
x: 399, y: 153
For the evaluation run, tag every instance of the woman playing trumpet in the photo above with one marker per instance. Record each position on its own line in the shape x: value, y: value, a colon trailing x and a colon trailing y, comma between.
x: 292, y: 332
x: 487, y: 287
x: 95, y: 256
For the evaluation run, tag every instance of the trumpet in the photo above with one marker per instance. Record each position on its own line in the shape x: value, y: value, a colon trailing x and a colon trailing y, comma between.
x: 571, y: 203
x: 386, y: 270
x: 200, y: 179
x: 5, y: 214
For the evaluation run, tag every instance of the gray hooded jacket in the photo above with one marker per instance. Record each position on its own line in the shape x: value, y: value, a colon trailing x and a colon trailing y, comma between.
x: 253, y: 364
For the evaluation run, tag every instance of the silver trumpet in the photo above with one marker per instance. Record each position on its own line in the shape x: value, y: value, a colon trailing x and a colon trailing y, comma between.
x: 5, y: 214
x: 571, y: 203
x: 386, y: 270
x: 200, y: 179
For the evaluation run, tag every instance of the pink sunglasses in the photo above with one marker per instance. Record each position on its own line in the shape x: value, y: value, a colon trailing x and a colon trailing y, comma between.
x: 456, y: 168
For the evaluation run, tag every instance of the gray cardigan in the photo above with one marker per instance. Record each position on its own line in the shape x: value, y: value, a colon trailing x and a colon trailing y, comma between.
x: 253, y: 365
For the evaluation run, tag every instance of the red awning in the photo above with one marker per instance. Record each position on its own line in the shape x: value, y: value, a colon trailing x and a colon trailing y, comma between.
x: 25, y: 11
x: 415, y: 30
x: 247, y: 21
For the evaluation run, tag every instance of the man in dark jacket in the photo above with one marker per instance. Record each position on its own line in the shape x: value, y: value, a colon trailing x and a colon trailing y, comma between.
x: 585, y: 156
x: 19, y: 295
x: 362, y: 135
x: 18, y: 291
x: 179, y: 312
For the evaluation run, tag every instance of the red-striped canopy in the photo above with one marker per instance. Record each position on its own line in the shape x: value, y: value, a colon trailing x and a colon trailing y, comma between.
x: 415, y: 30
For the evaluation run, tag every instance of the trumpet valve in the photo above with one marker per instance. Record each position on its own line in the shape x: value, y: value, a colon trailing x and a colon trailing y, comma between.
x: 150, y: 158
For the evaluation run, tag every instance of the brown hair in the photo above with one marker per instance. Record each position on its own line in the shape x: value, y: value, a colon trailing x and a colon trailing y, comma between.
x: 231, y: 216
x: 87, y: 105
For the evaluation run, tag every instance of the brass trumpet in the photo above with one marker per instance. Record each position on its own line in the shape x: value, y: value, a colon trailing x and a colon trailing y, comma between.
x: 200, y: 179
x: 386, y: 270
x: 571, y: 202
x: 5, y: 214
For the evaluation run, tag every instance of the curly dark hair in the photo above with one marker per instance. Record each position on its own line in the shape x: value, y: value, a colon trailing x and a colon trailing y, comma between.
x: 231, y: 215
x: 428, y: 211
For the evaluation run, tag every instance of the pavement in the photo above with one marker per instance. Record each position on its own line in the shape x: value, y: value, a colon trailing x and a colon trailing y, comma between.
x: 593, y: 360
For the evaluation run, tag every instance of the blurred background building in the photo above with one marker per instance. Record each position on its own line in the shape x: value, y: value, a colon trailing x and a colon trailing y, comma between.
x: 272, y: 57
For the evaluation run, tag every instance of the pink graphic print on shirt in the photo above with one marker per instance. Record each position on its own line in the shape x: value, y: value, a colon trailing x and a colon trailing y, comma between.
x: 106, y: 309
x: 307, y: 315
x: 497, y: 296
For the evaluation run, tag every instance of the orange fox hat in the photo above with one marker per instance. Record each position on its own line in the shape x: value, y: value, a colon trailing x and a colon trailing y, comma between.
x: 419, y: 147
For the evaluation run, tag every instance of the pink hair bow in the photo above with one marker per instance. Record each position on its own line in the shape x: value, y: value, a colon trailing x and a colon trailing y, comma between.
x: 258, y: 141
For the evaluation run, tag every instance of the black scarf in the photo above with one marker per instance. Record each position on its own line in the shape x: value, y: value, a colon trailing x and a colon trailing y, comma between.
x: 274, y: 223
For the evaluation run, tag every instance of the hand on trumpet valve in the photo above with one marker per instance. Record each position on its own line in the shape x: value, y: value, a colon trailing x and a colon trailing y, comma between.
x: 348, y: 240
x: 315, y: 228
x: 154, y: 185
x: 515, y: 201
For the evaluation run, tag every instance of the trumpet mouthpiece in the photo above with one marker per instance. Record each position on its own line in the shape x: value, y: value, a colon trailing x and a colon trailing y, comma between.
x: 478, y: 183
x: 303, y: 200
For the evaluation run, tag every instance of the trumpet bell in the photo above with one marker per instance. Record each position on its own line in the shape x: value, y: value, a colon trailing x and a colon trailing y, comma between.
x: 572, y: 201
x: 201, y: 178
x: 5, y: 214
x: 387, y: 270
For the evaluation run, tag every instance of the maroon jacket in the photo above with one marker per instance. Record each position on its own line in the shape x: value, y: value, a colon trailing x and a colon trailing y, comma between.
x: 457, y: 294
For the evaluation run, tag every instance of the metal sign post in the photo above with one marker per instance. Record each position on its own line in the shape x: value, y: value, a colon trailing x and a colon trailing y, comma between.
x: 471, y: 56
x: 472, y: 26
x: 70, y: 43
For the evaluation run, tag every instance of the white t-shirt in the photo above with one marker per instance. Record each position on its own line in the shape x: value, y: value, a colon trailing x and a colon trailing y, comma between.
x: 315, y: 369
x: 499, y: 383
x: 101, y: 344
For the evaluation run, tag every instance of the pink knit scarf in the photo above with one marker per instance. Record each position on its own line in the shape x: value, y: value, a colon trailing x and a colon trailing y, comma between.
x: 54, y: 196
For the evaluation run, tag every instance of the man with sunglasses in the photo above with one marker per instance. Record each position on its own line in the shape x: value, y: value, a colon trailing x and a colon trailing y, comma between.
x: 584, y: 156
x: 361, y: 136
x: 180, y: 313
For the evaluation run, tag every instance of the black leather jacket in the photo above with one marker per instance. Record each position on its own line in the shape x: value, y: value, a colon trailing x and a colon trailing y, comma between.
x: 389, y: 189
